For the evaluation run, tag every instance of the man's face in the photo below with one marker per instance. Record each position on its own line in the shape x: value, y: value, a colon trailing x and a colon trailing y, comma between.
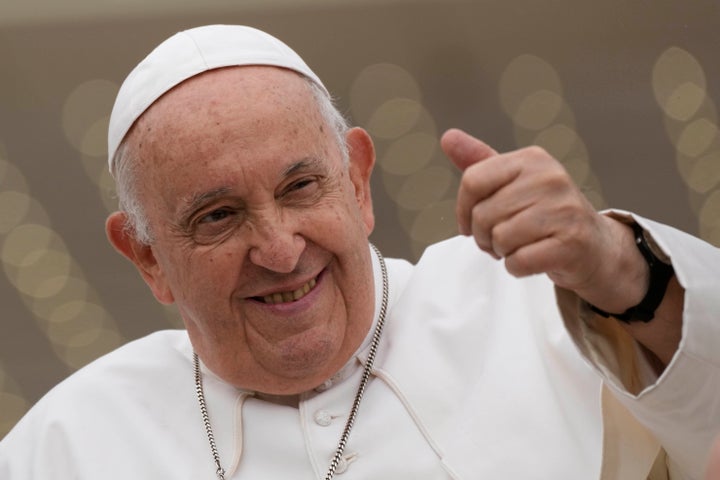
x: 260, y: 230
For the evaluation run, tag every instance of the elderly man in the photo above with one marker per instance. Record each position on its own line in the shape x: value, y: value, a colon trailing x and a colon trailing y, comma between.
x: 245, y: 200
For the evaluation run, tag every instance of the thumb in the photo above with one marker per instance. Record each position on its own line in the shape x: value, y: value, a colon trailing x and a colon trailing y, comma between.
x: 464, y: 149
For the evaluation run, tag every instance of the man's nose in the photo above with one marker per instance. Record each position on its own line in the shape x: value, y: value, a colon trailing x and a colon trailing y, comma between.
x: 276, y: 245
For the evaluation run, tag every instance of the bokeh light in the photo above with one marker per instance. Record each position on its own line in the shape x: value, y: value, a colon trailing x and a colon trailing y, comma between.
x: 38, y: 264
x: 409, y: 153
x: 531, y: 95
x: 679, y: 84
x: 563, y: 143
x: 530, y: 92
x: 697, y: 137
x: 691, y: 122
x: 538, y: 110
x: 425, y: 187
x: 85, y: 113
x: 378, y: 84
x: 394, y: 118
x: 85, y: 122
x: 14, y: 206
x: 387, y: 101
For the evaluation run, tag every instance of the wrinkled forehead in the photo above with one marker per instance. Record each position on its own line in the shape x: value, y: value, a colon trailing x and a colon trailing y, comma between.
x: 187, y: 54
x: 247, y: 100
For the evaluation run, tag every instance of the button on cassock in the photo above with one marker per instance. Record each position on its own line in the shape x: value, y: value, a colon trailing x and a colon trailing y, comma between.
x: 323, y: 418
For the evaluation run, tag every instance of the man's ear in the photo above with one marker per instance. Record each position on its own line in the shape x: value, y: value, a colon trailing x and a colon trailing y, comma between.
x: 142, y: 255
x: 362, y: 160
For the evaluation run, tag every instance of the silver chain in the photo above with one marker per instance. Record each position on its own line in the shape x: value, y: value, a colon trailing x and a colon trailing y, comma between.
x: 367, y: 371
x: 206, y: 418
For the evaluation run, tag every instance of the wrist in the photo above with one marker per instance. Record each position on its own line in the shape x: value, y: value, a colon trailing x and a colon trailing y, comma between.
x: 658, y: 272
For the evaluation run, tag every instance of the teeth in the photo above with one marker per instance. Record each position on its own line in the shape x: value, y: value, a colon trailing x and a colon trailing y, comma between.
x: 290, y: 296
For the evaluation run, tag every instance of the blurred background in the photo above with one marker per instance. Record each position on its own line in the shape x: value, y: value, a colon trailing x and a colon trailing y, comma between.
x: 624, y: 93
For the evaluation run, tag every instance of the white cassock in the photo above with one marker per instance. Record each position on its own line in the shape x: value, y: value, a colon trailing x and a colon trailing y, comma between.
x: 476, y: 377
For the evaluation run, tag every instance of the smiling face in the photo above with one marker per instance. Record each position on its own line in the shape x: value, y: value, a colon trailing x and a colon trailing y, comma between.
x: 259, y: 228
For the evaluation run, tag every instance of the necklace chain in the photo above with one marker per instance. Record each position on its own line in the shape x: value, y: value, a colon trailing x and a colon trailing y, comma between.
x: 367, y: 371
x: 206, y: 418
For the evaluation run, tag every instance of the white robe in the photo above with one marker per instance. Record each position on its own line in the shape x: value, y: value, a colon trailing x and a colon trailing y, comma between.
x: 476, y: 377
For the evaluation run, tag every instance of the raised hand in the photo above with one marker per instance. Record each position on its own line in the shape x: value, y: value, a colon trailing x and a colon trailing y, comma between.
x: 523, y: 207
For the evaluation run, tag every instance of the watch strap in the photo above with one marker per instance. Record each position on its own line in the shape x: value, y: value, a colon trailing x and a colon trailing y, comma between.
x: 660, y: 275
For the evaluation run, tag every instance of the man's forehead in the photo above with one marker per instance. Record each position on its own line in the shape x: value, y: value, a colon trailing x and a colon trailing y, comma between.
x: 255, y: 115
x: 190, y: 53
x: 215, y: 87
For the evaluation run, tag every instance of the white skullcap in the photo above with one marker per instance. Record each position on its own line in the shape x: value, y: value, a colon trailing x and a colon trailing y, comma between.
x: 187, y: 54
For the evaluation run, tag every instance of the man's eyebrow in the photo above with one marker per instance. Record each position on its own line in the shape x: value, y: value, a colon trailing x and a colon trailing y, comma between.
x: 306, y: 163
x: 197, y: 200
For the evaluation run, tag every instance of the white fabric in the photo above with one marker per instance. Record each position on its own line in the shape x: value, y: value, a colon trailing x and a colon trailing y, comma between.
x: 682, y: 408
x: 190, y: 53
x: 476, y: 377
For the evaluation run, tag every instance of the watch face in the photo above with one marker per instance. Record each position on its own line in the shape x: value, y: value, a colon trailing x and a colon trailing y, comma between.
x: 654, y: 248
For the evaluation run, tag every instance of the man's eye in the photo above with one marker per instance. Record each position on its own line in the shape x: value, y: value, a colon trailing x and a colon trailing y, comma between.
x: 215, y: 216
x: 301, y: 187
x: 215, y: 226
x: 300, y: 184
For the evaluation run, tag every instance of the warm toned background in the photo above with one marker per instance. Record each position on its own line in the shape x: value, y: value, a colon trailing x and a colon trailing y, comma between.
x: 624, y: 92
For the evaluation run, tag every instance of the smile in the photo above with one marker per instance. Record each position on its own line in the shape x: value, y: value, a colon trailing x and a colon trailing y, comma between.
x: 284, y: 297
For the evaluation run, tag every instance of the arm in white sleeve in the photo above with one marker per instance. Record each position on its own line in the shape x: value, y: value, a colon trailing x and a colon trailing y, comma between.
x: 681, y: 407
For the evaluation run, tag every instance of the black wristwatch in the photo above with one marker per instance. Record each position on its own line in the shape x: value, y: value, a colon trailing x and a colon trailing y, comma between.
x: 661, y: 271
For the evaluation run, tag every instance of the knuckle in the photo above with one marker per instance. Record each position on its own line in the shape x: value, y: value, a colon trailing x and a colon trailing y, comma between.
x: 500, y: 238
x: 518, y: 265
x: 480, y: 219
x: 468, y: 180
x: 558, y: 178
x: 536, y: 151
x: 482, y: 238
